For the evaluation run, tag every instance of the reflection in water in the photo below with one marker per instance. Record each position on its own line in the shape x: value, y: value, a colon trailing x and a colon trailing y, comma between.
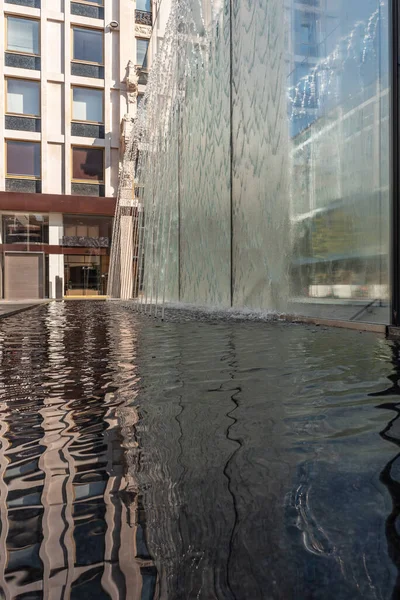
x: 69, y: 524
x: 391, y: 433
x: 189, y: 460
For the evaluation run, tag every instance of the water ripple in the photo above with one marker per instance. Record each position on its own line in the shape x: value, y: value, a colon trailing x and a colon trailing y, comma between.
x: 195, y: 460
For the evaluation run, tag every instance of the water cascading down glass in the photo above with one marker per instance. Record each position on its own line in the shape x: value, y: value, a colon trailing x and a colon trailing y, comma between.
x: 261, y: 161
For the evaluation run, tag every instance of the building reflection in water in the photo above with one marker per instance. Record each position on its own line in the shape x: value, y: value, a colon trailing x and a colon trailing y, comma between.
x: 72, y: 521
x: 250, y: 467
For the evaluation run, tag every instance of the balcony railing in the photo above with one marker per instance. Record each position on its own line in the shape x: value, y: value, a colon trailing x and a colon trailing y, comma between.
x: 142, y: 17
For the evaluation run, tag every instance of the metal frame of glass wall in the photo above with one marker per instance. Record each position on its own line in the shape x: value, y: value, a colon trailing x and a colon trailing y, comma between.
x: 395, y: 158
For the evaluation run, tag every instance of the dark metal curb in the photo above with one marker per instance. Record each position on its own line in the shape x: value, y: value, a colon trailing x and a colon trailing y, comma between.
x: 371, y: 327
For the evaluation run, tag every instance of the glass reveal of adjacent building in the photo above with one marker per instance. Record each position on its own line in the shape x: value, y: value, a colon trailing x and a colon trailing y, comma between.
x: 266, y: 172
x: 339, y: 97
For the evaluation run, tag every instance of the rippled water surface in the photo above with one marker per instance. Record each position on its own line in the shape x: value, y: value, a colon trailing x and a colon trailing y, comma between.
x: 184, y: 460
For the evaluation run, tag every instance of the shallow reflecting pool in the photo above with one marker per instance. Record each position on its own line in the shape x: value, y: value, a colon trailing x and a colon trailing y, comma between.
x: 195, y: 460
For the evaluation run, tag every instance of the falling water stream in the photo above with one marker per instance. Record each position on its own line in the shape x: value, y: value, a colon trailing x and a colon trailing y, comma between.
x: 189, y: 459
x: 262, y: 160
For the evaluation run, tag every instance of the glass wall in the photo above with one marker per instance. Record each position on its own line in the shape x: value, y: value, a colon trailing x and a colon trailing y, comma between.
x: 338, y: 115
x: 311, y: 178
x: 272, y: 131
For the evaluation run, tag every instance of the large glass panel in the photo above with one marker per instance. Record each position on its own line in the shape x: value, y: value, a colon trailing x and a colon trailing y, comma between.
x: 310, y: 187
x: 85, y: 275
x: 87, y: 105
x: 23, y: 97
x: 141, y: 52
x: 87, y: 45
x: 204, y: 164
x: 22, y: 35
x: 265, y: 147
x: 25, y: 229
x: 87, y: 164
x: 23, y: 159
x: 339, y: 146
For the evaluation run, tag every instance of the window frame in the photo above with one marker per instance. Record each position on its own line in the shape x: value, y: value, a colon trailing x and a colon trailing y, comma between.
x: 101, y: 5
x: 87, y: 181
x: 9, y: 113
x: 15, y: 176
x: 6, y: 49
x: 146, y: 56
x: 86, y: 62
x: 87, y: 87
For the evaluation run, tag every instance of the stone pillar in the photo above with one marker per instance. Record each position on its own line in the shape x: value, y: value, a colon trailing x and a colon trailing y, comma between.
x: 126, y: 195
x: 56, y: 261
x: 126, y: 252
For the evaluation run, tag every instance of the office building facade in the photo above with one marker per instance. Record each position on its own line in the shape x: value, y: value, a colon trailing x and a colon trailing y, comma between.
x: 66, y: 102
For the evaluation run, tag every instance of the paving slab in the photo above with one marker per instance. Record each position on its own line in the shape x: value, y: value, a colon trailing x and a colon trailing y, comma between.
x: 8, y: 308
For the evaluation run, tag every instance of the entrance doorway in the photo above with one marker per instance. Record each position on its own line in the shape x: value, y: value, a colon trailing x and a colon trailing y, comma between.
x: 85, y: 275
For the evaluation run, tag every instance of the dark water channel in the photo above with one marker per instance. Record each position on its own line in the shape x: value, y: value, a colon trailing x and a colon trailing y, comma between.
x: 181, y: 461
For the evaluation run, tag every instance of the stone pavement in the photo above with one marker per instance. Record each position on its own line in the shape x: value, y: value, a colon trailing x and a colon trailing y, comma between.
x: 12, y: 307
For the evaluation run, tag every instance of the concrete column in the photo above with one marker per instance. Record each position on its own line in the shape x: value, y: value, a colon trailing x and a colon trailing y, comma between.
x: 56, y: 261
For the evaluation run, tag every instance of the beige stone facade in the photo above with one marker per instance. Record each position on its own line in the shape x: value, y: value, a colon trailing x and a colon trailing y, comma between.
x: 65, y: 98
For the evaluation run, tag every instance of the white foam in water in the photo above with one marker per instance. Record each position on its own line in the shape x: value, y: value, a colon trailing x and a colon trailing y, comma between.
x: 263, y: 181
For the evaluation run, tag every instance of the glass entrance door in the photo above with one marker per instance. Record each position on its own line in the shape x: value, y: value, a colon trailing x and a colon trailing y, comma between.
x: 83, y: 276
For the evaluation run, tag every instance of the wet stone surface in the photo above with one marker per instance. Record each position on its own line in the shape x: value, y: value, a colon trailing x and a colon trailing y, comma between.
x: 184, y: 460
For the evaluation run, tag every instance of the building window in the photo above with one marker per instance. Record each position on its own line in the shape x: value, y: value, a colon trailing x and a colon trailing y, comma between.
x: 306, y: 42
x: 26, y: 229
x: 87, y: 231
x: 87, y: 45
x: 23, y: 159
x: 87, y: 105
x: 87, y: 164
x: 141, y: 52
x: 88, y: 8
x: 23, y: 97
x: 143, y: 14
x: 144, y: 5
x: 22, y: 36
